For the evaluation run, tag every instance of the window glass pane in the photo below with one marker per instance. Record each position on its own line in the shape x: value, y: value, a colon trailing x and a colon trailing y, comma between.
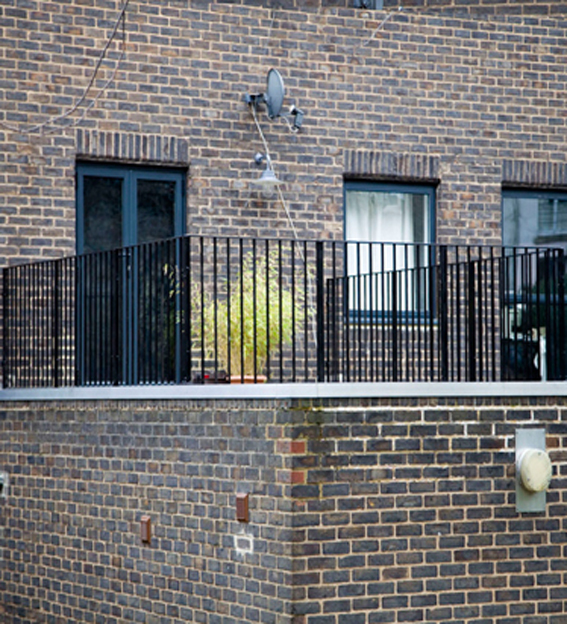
x: 379, y: 217
x: 156, y: 210
x: 529, y: 221
x: 375, y: 219
x: 102, y: 213
x: 384, y: 216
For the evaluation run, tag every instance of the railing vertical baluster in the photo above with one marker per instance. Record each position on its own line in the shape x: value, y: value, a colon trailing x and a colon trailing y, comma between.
x: 293, y: 295
x: 539, y: 313
x: 215, y: 311
x: 189, y: 308
x: 493, y: 375
x: 478, y: 317
x: 268, y: 303
x: 105, y: 298
x: 394, y: 315
x: 320, y: 309
x: 92, y: 343
x: 305, y: 314
x: 280, y: 309
x: 405, y: 310
x: 547, y: 299
x: 79, y: 310
x: 418, y: 274
x: 254, y: 313
x: 384, y: 312
x: 56, y: 322
x: 6, y: 343
x: 443, y: 315
x: 184, y: 314
x: 346, y: 312
x: 241, y: 305
x: 228, y: 310
x: 117, y: 317
x: 19, y: 325
x: 202, y: 306
x: 526, y: 312
x: 431, y: 312
x: 471, y: 319
x: 336, y: 326
x: 560, y: 348
x: 370, y: 313
x: 549, y: 364
x: 358, y: 316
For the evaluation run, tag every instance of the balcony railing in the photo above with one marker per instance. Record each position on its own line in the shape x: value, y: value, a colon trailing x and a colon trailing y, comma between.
x: 196, y: 310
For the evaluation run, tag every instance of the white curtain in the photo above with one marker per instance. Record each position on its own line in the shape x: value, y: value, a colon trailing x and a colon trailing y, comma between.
x: 384, y: 217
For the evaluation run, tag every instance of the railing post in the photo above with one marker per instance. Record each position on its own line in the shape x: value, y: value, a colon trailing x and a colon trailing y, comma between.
x: 443, y: 318
x: 320, y: 309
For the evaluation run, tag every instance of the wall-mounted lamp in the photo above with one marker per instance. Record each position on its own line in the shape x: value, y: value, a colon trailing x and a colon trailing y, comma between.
x: 268, y: 179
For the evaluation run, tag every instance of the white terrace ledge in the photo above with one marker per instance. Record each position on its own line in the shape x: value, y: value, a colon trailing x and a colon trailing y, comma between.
x: 267, y: 391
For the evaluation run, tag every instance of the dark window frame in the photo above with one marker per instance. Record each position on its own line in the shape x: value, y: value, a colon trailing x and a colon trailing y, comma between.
x: 130, y: 174
x: 368, y: 314
x: 393, y: 187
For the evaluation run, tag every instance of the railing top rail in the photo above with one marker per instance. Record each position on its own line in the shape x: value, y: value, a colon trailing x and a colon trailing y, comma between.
x: 495, y: 250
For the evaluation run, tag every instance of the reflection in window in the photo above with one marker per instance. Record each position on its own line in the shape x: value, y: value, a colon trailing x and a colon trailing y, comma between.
x: 531, y: 219
x: 156, y: 201
x: 102, y: 213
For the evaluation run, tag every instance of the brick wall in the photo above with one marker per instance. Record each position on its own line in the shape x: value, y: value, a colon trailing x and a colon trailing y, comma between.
x: 361, y: 511
x: 392, y: 86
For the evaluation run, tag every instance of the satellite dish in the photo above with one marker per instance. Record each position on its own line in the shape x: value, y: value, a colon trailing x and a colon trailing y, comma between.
x: 275, y: 93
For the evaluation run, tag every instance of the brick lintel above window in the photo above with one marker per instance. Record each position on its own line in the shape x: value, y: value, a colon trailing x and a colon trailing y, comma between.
x: 421, y: 168
x: 136, y: 148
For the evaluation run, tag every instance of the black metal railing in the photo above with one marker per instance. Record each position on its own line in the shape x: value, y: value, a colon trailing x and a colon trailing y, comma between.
x: 212, y: 310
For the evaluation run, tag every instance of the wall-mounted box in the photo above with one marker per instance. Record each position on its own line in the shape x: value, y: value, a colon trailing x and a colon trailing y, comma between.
x: 242, y: 507
x: 146, y: 529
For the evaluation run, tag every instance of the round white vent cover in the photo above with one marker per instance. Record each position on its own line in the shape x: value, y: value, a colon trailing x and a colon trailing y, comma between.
x: 535, y: 470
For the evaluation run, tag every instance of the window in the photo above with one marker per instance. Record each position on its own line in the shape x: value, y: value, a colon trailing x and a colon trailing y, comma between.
x: 387, y: 229
x: 534, y: 218
x: 122, y: 205
x: 535, y: 283
x: 121, y: 297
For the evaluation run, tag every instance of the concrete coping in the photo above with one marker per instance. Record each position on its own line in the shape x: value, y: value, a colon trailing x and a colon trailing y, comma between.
x: 267, y: 391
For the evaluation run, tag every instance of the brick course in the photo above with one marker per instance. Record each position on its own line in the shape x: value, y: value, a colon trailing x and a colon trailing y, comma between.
x: 360, y: 511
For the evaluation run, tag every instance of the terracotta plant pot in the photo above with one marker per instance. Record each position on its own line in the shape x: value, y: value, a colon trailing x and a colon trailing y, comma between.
x: 248, y: 379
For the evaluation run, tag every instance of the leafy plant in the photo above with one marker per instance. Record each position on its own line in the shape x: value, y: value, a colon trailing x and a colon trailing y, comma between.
x: 254, y: 316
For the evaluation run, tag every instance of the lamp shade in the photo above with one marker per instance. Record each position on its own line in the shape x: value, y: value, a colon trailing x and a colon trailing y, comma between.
x: 268, y: 179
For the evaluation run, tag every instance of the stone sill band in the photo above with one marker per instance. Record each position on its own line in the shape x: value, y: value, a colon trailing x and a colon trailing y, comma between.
x: 291, y: 391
